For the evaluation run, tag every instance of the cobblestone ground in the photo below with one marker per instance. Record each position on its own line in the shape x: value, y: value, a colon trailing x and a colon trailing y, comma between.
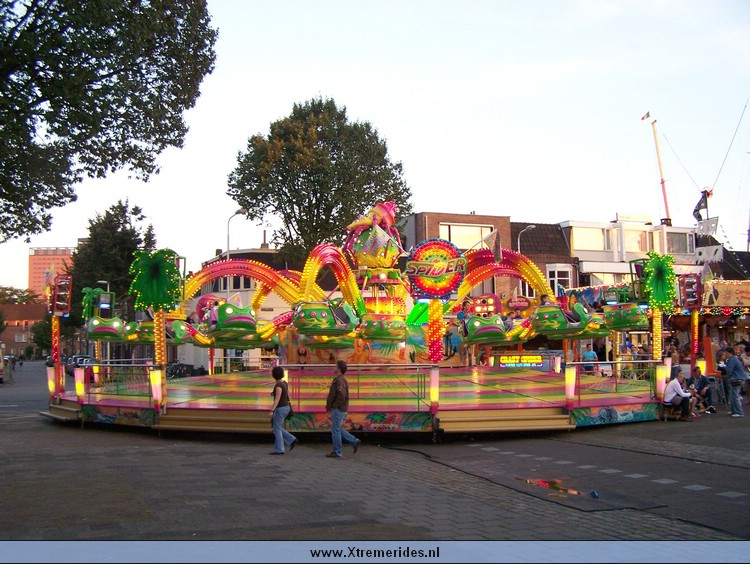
x: 64, y: 483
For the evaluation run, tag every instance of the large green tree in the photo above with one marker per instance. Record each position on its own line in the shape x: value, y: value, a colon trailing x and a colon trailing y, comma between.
x: 88, y: 87
x: 10, y: 295
x: 315, y: 172
x: 114, y: 237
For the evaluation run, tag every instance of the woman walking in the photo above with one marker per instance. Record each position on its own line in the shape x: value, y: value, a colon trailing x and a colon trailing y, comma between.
x: 280, y: 411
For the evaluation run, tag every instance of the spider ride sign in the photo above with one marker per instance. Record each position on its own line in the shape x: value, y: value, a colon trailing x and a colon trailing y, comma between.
x: 435, y: 268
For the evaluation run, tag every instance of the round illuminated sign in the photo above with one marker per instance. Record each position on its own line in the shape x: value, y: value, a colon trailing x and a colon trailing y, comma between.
x: 435, y: 269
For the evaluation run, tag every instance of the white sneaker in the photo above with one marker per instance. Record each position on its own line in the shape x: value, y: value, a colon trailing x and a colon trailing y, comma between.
x: 737, y: 415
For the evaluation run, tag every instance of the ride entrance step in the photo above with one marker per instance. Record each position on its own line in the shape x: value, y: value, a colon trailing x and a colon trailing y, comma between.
x: 217, y: 421
x: 496, y: 420
x: 64, y: 411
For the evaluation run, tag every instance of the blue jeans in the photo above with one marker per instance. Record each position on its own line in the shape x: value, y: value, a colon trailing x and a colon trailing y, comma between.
x: 281, y: 436
x: 736, y: 402
x: 338, y: 433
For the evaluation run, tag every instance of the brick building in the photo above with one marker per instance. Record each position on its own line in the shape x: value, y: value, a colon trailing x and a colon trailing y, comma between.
x: 42, y: 260
x: 19, y: 318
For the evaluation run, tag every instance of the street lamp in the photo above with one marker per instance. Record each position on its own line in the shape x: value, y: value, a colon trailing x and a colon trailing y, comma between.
x: 106, y: 282
x: 518, y: 246
x: 238, y: 212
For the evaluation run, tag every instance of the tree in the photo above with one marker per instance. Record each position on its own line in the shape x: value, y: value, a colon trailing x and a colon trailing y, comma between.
x: 316, y: 172
x: 88, y: 87
x: 41, y: 333
x: 10, y: 295
x: 107, y: 253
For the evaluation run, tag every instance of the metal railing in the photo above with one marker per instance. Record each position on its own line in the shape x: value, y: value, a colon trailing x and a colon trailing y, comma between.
x: 618, y: 377
x: 118, y: 378
x: 371, y: 381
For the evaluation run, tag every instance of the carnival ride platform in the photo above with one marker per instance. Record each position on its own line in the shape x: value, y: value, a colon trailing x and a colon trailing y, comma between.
x: 386, y: 398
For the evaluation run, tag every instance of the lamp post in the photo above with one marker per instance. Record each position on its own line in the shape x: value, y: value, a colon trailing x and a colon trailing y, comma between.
x: 106, y: 282
x: 518, y: 245
x: 238, y: 212
x: 229, y: 278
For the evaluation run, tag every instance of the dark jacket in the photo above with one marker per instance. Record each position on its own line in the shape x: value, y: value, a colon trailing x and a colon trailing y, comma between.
x: 338, y: 394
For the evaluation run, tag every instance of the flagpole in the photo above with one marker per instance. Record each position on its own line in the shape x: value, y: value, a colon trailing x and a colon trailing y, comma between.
x: 667, y: 221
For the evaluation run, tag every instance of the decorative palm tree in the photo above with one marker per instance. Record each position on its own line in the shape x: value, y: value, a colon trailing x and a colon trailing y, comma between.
x: 156, y: 284
x: 660, y: 287
x: 90, y: 296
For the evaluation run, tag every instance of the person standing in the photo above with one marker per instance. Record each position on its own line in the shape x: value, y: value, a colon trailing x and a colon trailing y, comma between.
x: 10, y: 366
x: 337, y: 405
x: 737, y: 377
x: 743, y: 351
x: 588, y: 356
x: 280, y: 411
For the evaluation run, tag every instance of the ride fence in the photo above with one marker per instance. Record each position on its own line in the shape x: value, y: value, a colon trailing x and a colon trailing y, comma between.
x: 400, y: 386
x: 619, y: 377
x: 128, y: 379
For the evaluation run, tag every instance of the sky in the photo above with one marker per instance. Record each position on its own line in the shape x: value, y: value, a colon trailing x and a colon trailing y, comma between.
x: 527, y: 109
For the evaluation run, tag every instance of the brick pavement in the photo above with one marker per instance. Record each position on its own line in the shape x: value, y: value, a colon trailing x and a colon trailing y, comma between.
x: 61, y: 482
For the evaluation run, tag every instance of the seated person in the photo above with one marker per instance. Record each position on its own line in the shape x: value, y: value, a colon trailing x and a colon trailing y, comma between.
x: 572, y: 316
x: 676, y: 395
x: 507, y: 322
x: 589, y: 355
x: 467, y: 311
x: 703, y: 392
x: 302, y: 354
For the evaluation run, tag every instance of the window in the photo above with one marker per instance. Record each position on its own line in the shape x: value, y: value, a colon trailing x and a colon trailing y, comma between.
x: 525, y: 290
x: 558, y: 275
x: 240, y: 283
x: 464, y: 236
x: 487, y: 286
x: 636, y: 241
x: 680, y: 244
x: 591, y: 239
x: 22, y: 338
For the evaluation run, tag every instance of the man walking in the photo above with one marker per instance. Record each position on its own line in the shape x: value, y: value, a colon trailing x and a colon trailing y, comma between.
x: 337, y: 405
x: 737, y: 377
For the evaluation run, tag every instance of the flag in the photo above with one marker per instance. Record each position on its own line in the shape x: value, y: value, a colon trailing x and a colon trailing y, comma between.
x: 492, y: 242
x: 701, y: 205
x: 646, y: 116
